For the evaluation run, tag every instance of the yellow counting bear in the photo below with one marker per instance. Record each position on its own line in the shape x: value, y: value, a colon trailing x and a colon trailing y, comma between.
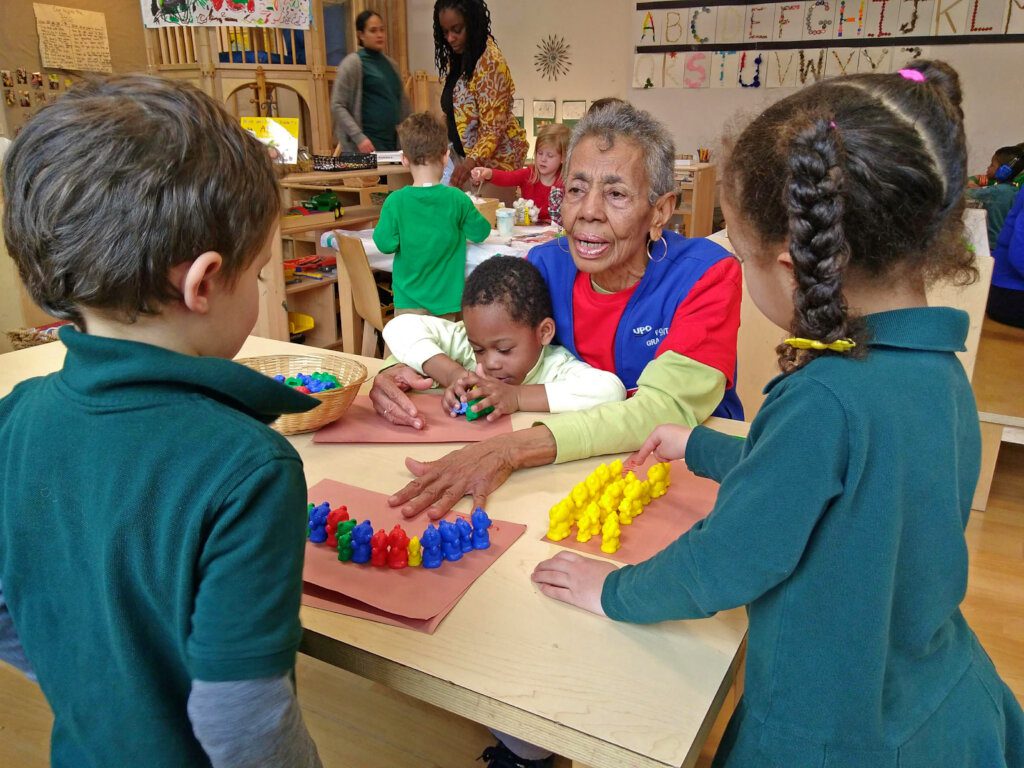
x: 659, y: 479
x: 415, y: 552
x: 589, y: 523
x: 610, y: 533
x: 560, y: 520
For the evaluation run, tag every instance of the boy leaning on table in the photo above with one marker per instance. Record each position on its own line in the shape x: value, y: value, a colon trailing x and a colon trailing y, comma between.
x: 151, y: 524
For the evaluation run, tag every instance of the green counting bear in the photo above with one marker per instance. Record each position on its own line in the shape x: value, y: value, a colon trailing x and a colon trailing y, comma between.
x: 472, y: 415
x: 345, y: 540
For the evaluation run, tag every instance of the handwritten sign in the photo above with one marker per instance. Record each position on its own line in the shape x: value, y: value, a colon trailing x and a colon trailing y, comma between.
x: 70, y: 38
x: 282, y: 133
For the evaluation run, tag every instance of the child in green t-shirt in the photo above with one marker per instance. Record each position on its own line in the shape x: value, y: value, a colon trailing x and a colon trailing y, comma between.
x: 150, y: 578
x: 426, y: 225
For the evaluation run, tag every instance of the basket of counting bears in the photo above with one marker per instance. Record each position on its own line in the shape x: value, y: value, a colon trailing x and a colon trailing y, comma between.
x: 320, y: 371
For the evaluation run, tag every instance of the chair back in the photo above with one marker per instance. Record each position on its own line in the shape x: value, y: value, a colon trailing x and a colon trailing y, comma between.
x: 365, y: 298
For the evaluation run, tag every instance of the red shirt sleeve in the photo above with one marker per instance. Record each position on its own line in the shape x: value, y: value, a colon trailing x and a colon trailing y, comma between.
x: 705, y: 325
x: 510, y: 178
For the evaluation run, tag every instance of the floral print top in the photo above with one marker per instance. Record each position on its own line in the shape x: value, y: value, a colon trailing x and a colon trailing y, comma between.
x: 483, y: 114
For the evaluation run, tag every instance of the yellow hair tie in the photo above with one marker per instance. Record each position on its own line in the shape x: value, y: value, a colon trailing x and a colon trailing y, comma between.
x: 839, y: 345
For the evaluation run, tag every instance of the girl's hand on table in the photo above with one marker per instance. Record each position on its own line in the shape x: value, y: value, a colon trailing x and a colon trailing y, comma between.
x: 573, y: 579
x: 667, y: 443
x: 389, y: 398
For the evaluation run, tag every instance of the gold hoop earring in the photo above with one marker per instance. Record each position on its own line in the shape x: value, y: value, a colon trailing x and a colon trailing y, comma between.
x: 649, y: 256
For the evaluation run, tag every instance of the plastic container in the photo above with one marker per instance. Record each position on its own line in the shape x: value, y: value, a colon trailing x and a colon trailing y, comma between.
x: 506, y: 219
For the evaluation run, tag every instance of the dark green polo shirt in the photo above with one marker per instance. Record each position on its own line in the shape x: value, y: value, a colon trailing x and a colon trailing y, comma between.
x: 151, y: 533
x: 840, y: 524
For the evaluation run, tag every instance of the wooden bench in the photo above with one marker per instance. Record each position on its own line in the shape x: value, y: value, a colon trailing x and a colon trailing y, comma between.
x: 999, y: 389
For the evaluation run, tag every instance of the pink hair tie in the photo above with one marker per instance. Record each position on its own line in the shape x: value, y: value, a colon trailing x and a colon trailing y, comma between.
x: 912, y: 74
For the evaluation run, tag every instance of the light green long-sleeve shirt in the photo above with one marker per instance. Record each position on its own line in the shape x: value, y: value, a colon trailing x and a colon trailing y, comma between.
x: 672, y: 389
x: 570, y: 384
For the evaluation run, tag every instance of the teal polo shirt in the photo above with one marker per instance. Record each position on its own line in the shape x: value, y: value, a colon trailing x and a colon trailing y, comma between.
x: 151, y: 533
x: 840, y: 524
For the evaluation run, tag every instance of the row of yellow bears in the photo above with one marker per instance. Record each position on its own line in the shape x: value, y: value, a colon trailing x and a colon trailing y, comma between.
x: 605, y: 501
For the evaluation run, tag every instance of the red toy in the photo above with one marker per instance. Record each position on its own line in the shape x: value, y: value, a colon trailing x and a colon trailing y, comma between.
x: 334, y: 517
x: 379, y: 548
x: 398, y: 557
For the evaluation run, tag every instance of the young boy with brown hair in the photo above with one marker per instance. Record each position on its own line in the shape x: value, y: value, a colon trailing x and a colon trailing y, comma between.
x: 426, y: 225
x: 151, y: 576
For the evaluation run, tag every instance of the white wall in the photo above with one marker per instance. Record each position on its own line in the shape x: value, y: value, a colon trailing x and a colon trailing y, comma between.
x: 600, y: 35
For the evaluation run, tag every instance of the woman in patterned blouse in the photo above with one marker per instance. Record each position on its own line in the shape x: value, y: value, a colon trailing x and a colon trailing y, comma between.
x: 478, y: 89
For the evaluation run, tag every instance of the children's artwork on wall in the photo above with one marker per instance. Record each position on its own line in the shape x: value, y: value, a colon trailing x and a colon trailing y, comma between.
x: 674, y: 70
x: 803, y: 41
x: 6, y: 78
x: 40, y: 97
x: 54, y: 81
x: 573, y: 112
x: 552, y: 58
x: 648, y: 70
x: 519, y: 111
x: 9, y: 98
x: 543, y: 114
x: 25, y: 100
x: 286, y: 14
x: 37, y: 79
x: 22, y: 75
x: 281, y: 133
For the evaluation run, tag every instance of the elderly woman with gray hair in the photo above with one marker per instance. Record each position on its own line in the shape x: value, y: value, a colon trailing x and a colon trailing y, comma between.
x: 659, y: 310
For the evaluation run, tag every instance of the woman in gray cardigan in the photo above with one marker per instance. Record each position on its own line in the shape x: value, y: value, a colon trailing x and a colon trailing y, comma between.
x: 368, y: 100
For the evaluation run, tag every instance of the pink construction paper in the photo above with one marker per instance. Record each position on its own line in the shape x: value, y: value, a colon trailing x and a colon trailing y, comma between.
x: 326, y: 600
x: 410, y: 597
x: 689, y: 498
x: 361, y: 424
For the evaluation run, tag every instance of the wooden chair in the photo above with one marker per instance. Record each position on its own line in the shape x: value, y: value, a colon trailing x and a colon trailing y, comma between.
x: 365, y: 301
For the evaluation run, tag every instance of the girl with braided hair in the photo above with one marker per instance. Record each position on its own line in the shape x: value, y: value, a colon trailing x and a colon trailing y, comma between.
x: 840, y: 519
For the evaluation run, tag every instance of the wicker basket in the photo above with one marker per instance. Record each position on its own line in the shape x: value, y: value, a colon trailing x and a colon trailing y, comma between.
x: 333, y: 402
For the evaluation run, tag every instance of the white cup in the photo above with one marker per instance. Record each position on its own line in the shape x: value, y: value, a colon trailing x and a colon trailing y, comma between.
x: 505, y: 218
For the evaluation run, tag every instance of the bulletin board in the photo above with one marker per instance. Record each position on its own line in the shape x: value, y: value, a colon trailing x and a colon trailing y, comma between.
x: 785, y: 43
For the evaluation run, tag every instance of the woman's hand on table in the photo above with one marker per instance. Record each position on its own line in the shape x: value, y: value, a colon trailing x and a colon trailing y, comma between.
x: 462, y: 171
x: 389, y: 398
x: 475, y: 470
x: 667, y: 443
x: 366, y: 146
x: 573, y: 579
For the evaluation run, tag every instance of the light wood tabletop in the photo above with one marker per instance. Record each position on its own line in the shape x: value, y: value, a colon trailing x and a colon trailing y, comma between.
x: 602, y: 693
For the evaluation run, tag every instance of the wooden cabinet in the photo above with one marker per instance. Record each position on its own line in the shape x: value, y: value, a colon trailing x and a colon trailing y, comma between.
x: 360, y: 204
x: 695, y: 209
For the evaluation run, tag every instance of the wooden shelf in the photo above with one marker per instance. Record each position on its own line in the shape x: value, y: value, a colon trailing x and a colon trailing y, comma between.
x: 696, y: 206
x: 309, y: 284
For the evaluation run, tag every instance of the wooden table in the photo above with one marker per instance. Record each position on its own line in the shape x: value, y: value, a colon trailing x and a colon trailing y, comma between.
x: 601, y: 693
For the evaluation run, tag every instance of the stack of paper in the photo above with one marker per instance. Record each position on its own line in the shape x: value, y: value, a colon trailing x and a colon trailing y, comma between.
x: 389, y: 158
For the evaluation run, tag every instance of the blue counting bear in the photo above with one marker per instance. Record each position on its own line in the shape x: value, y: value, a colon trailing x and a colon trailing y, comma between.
x: 450, y: 545
x: 431, y: 543
x: 465, y: 534
x: 361, y: 536
x: 318, y: 522
x: 481, y: 522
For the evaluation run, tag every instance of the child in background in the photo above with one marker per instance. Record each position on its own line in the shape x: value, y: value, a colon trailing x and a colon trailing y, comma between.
x: 505, y: 337
x: 538, y: 181
x: 426, y: 225
x: 1006, y: 294
x: 997, y: 195
x: 152, y: 580
x: 842, y: 534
